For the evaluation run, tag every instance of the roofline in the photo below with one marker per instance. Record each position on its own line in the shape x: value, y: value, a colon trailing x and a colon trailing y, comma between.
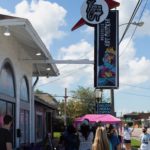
x: 36, y: 94
x: 39, y: 100
x: 14, y: 21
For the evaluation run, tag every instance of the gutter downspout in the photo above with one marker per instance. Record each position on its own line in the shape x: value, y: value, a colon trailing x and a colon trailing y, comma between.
x: 37, y: 79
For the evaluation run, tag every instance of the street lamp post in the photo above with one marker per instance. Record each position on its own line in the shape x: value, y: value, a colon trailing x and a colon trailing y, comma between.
x: 139, y: 24
x: 98, y: 98
x: 128, y: 24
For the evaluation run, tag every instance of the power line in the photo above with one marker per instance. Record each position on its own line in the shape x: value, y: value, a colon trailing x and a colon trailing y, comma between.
x: 72, y: 97
x: 128, y: 93
x: 62, y: 76
x: 136, y: 86
x: 147, y: 96
x: 131, y: 19
x: 134, y: 29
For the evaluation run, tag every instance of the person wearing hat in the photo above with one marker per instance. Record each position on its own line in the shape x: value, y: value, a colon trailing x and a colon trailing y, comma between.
x: 85, y: 136
x: 145, y: 139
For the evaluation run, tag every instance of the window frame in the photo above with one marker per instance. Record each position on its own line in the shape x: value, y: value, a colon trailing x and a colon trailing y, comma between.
x: 7, y: 64
x: 24, y: 78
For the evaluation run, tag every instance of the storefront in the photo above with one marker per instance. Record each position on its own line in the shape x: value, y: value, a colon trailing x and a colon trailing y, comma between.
x: 45, y: 111
x: 22, y: 57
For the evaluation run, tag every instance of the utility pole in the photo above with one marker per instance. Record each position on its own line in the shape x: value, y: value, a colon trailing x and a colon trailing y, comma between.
x: 65, y: 108
x: 112, y: 102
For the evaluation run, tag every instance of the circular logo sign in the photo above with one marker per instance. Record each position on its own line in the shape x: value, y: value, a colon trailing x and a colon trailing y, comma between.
x: 94, y: 11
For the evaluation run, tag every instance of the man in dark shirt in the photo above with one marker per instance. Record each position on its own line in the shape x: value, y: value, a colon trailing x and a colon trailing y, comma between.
x: 5, y: 135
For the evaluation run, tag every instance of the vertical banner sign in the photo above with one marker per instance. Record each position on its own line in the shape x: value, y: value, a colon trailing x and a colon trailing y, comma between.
x: 106, y: 69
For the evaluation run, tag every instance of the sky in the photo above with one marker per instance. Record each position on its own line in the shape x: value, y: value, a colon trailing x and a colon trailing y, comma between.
x: 53, y: 20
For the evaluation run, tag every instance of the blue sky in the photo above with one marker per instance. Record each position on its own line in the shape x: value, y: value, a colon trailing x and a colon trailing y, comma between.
x: 53, y: 20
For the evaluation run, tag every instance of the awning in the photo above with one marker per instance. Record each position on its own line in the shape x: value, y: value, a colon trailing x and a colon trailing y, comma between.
x: 22, y: 30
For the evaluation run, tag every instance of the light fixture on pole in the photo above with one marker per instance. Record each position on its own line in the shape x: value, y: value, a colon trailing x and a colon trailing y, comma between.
x: 139, y: 24
x: 98, y: 94
x: 98, y: 99
x: 7, y: 32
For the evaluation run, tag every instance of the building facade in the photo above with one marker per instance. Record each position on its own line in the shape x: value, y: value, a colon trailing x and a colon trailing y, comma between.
x: 22, y: 57
x: 46, y: 110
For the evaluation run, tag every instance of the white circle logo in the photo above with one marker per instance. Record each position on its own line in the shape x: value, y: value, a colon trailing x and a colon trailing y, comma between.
x: 94, y: 11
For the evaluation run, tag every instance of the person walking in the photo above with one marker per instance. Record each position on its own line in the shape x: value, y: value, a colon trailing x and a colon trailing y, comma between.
x: 101, y: 141
x: 145, y: 139
x: 85, y: 136
x: 5, y: 135
x: 70, y: 139
x: 127, y: 136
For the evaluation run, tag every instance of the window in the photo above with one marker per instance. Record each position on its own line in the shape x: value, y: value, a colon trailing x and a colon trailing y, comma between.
x: 24, y: 94
x: 2, y: 111
x: 39, y: 126
x: 24, y: 126
x: 7, y: 85
x: 5, y: 108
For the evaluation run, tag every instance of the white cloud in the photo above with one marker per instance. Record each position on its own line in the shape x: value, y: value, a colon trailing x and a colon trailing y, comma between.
x: 81, y: 50
x: 77, y: 51
x: 4, y: 11
x: 75, y: 73
x: 144, y: 30
x: 133, y: 70
x: 46, y: 17
x: 124, y: 13
x: 89, y: 30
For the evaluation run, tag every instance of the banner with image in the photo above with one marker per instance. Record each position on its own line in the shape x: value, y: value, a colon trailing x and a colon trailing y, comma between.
x: 106, y: 69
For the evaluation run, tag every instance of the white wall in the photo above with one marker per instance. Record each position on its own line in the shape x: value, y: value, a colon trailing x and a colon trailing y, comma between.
x: 12, y: 49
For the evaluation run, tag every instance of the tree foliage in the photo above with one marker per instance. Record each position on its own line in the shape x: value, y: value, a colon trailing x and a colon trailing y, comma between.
x: 86, y: 96
x: 37, y: 91
x: 81, y: 102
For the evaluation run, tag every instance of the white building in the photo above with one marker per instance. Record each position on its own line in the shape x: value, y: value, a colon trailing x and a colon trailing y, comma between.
x: 22, y: 56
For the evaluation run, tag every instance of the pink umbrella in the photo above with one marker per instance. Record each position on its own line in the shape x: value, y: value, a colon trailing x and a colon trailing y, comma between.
x: 90, y: 117
x: 104, y: 118
x: 107, y: 118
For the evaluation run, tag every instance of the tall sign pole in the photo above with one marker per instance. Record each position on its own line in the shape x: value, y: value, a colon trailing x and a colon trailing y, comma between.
x: 98, y: 14
x: 112, y: 102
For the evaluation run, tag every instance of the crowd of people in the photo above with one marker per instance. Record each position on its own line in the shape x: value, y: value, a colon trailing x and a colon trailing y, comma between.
x: 100, y: 137
x: 87, y: 137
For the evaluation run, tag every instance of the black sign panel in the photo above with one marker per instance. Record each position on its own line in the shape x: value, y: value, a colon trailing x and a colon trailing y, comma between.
x: 103, y: 108
x: 106, y: 53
